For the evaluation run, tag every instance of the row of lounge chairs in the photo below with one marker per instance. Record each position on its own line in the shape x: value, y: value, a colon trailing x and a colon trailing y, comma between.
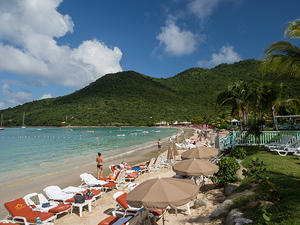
x: 287, y: 144
x: 58, y: 201
x: 26, y: 210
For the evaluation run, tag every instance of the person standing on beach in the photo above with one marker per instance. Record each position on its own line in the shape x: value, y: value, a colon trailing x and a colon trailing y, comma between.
x: 159, y: 145
x: 99, y: 161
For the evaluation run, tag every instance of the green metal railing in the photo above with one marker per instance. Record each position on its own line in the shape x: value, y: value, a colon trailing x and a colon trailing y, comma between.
x: 237, y: 138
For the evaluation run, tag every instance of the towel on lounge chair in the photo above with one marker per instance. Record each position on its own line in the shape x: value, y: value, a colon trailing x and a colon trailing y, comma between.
x: 80, y: 190
x: 55, y: 193
x: 73, y: 190
x: 90, y: 180
x: 137, y: 168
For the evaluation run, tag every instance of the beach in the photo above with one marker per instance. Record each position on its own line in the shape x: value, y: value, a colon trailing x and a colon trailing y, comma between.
x: 105, y: 204
x: 70, y: 176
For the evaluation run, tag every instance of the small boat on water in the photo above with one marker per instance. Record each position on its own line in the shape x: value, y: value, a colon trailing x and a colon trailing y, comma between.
x: 121, y: 135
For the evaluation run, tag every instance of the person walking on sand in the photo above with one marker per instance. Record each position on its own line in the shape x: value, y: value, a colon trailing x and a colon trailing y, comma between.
x: 159, y: 146
x: 99, y: 161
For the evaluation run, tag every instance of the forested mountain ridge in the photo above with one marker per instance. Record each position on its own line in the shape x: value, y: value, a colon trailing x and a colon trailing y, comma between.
x: 131, y: 98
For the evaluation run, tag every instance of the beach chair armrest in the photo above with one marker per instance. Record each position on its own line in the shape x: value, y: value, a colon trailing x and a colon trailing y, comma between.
x: 18, y: 218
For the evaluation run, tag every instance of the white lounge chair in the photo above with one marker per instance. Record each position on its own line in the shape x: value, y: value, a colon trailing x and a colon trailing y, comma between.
x: 37, y: 201
x: 122, y: 207
x: 148, y: 166
x: 297, y: 153
x: 20, y: 212
x: 291, y: 148
x: 284, y: 141
x: 80, y: 190
x: 92, y: 182
x: 56, y: 194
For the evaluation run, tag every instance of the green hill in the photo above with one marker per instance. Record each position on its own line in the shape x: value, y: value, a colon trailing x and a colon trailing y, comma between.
x: 130, y: 98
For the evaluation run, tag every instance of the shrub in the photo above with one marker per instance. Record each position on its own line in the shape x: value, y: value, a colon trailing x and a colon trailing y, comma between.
x: 256, y: 171
x: 227, y: 170
x: 238, y: 153
x: 267, y: 191
x: 255, y: 127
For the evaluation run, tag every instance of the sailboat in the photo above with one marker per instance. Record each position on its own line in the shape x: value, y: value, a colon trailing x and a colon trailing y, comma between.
x: 1, y: 128
x: 23, y: 124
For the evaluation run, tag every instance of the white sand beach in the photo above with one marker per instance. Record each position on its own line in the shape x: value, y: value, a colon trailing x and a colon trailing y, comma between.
x: 212, y: 197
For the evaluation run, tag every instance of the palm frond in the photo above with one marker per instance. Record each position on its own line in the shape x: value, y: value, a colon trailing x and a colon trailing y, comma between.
x: 282, y: 58
x: 292, y: 30
x: 282, y: 48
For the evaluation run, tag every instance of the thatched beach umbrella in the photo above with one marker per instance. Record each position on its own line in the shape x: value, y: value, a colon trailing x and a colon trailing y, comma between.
x: 195, y: 167
x: 175, y: 151
x: 163, y: 192
x: 200, y: 153
x: 170, y: 153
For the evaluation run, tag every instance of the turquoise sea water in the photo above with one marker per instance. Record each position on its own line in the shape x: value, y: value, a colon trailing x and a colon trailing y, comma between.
x: 32, y: 150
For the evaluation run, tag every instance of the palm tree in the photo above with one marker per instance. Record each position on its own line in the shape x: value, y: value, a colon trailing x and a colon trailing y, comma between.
x: 236, y: 96
x: 289, y: 106
x: 282, y: 57
x: 262, y: 96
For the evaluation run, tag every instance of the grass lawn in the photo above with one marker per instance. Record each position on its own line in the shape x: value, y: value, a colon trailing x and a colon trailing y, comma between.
x: 284, y: 172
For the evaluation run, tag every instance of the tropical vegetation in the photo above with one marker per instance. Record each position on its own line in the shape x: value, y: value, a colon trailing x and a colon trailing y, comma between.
x: 131, y: 98
x: 274, y: 184
x: 282, y: 57
x: 262, y: 98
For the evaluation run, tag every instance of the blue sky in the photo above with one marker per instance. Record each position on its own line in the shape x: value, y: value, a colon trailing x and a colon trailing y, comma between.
x: 51, y: 48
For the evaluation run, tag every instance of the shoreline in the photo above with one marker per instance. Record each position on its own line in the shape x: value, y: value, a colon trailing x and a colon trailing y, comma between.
x: 178, y: 127
x: 71, y: 176
x: 86, y: 159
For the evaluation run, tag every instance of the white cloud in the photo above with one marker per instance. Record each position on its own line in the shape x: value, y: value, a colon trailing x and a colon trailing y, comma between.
x: 46, y: 96
x: 27, y: 31
x: 2, y: 105
x: 15, y: 98
x: 225, y: 55
x: 202, y: 8
x: 176, y: 41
